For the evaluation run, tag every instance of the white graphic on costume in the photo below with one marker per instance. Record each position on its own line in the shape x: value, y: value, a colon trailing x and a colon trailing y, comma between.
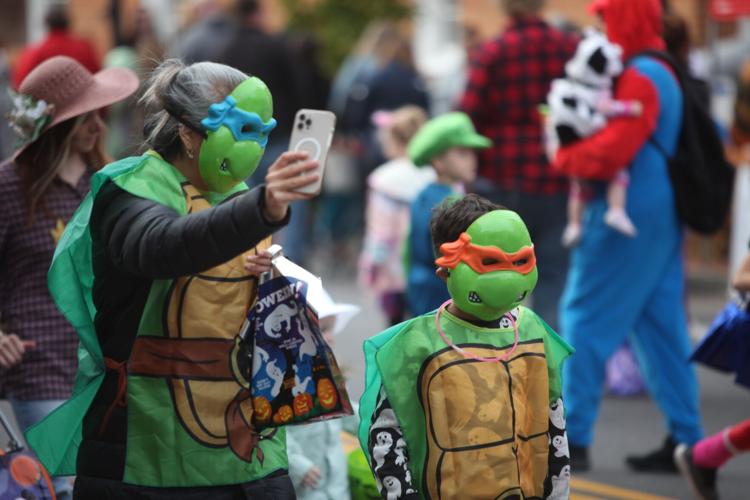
x: 505, y: 322
x: 279, y: 321
x: 561, y: 485
x: 388, y: 452
x: 561, y: 446
x: 277, y: 375
x: 384, y: 441
x: 400, y: 456
x: 392, y: 487
x: 557, y: 414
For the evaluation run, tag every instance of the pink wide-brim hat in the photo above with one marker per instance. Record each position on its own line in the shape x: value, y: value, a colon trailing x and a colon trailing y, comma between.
x: 73, y: 90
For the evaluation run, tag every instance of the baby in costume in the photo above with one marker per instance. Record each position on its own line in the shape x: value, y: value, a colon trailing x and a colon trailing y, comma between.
x: 579, y: 106
x: 465, y: 402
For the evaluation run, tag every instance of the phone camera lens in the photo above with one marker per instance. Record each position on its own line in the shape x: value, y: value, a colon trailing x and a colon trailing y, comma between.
x: 308, y: 122
x: 301, y: 117
x: 300, y: 125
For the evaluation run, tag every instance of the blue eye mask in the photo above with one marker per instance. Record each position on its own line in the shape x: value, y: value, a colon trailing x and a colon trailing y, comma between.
x: 244, y: 125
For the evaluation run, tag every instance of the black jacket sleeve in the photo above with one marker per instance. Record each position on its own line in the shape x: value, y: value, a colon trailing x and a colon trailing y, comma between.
x: 151, y: 240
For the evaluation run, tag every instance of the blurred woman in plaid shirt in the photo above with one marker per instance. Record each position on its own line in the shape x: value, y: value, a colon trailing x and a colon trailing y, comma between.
x: 61, y: 136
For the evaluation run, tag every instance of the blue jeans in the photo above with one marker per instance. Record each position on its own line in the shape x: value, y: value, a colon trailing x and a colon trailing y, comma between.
x: 28, y: 413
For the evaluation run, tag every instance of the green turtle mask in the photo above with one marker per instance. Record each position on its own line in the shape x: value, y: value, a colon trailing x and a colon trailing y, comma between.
x: 492, y: 265
x: 236, y: 135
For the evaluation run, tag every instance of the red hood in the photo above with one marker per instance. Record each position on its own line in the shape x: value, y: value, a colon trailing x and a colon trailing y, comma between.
x: 634, y: 25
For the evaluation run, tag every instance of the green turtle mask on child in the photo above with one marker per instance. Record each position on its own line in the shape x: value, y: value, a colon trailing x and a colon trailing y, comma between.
x: 492, y: 266
x: 236, y: 134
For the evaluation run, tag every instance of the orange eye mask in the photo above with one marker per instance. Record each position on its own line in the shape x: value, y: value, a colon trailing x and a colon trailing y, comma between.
x: 485, y: 259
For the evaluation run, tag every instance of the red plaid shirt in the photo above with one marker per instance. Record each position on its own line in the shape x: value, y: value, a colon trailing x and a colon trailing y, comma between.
x: 509, y: 78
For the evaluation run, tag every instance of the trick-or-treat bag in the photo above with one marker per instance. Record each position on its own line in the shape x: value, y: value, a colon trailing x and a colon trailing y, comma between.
x: 21, y: 474
x: 295, y: 377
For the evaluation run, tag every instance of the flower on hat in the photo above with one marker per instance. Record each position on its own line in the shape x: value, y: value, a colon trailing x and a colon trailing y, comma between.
x: 29, y: 117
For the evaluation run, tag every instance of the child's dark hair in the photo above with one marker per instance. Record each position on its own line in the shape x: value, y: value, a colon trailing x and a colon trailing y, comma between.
x: 454, y: 216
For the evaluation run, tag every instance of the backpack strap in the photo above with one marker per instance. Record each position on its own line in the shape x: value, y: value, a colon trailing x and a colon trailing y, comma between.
x: 652, y: 140
x: 679, y: 74
x: 665, y: 58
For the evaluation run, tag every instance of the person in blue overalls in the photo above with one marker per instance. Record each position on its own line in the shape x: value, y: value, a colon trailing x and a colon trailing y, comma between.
x: 620, y: 286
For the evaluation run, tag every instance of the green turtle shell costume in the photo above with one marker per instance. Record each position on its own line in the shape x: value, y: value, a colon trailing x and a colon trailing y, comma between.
x: 468, y: 422
x: 473, y: 428
x: 184, y: 384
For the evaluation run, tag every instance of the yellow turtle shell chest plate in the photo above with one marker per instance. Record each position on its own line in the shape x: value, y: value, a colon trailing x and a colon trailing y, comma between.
x: 486, y: 423
x: 210, y: 305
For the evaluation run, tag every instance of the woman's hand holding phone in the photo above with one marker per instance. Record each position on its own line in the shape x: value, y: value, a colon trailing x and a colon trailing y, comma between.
x: 289, y: 173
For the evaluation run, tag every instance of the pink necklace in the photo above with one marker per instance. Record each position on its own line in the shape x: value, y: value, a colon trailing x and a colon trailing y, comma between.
x: 465, y: 354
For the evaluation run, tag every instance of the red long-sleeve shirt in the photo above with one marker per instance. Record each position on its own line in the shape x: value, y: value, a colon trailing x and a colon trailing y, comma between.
x: 57, y: 43
x: 605, y: 153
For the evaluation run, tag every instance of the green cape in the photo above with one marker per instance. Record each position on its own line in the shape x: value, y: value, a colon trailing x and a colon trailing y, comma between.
x: 57, y: 437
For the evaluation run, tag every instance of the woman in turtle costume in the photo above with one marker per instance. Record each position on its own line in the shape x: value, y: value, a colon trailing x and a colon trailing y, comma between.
x: 152, y: 272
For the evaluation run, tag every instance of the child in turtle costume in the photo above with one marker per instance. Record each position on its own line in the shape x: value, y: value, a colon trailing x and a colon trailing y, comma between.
x: 465, y: 402
x: 152, y: 273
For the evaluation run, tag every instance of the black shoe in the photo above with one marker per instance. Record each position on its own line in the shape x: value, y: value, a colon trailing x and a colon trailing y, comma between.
x: 579, y: 458
x: 661, y: 460
x: 701, y: 480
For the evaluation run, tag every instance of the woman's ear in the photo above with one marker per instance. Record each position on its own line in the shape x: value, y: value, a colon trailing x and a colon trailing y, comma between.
x: 187, y: 141
x: 190, y: 139
x: 443, y: 274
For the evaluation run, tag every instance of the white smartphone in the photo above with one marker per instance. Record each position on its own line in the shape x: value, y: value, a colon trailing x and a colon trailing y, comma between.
x: 313, y: 132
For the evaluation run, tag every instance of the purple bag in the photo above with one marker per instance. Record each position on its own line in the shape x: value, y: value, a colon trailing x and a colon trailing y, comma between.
x: 623, y: 374
x: 21, y: 474
x: 726, y: 346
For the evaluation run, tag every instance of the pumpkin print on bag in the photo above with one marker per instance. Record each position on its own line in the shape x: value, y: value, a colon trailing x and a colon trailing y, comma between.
x: 303, y: 403
x: 327, y: 394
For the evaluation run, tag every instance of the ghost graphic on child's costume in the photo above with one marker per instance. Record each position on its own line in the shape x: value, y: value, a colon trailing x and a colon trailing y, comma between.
x: 557, y: 414
x: 383, y: 444
x: 400, y: 454
x: 561, y: 446
x: 561, y: 484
